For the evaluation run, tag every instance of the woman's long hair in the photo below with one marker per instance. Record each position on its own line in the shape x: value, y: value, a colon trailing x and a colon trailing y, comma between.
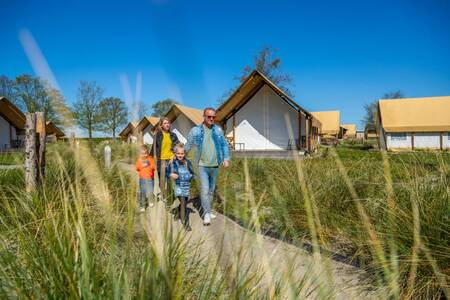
x: 161, y: 121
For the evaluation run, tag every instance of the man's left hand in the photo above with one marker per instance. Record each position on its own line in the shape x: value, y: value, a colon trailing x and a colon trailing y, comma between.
x: 225, y: 163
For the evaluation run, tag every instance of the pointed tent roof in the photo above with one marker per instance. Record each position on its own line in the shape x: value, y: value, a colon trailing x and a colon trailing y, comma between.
x: 17, y: 118
x: 330, y: 121
x: 12, y: 113
x: 246, y: 90
x: 51, y: 128
x: 129, y: 128
x: 415, y: 114
x: 193, y: 114
x: 147, y: 121
x: 351, y: 129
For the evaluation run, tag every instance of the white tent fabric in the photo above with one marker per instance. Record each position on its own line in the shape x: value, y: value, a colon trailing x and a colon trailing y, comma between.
x: 181, y: 138
x: 247, y: 135
x: 148, y: 139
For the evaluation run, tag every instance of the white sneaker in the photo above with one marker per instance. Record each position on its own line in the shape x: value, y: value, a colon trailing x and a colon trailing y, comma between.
x: 142, y: 209
x: 213, y: 216
x: 207, y: 219
x: 151, y: 204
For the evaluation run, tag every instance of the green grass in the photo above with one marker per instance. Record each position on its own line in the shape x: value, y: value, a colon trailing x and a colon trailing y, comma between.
x: 11, y: 158
x: 65, y: 241
x: 389, y: 214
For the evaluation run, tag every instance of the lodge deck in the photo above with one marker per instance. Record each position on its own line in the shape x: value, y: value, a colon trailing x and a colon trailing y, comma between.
x: 268, y: 154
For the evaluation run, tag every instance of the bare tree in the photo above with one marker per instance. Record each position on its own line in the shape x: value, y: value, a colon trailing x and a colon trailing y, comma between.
x: 139, y: 110
x: 393, y: 95
x: 371, y: 109
x: 34, y: 94
x: 8, y: 89
x: 160, y: 108
x: 86, y: 109
x: 113, y: 114
x: 269, y: 65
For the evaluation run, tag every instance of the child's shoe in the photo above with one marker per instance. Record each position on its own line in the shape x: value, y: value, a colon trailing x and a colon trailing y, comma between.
x: 207, y: 219
x: 142, y: 210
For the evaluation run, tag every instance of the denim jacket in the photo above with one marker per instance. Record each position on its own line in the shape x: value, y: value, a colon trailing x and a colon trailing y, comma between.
x: 172, y: 168
x: 195, y: 138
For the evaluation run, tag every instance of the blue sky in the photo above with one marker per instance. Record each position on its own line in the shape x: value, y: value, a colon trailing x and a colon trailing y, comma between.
x: 340, y: 54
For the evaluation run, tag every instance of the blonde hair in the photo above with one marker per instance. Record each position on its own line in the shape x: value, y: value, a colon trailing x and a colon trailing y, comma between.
x: 161, y: 121
x: 179, y: 146
x: 144, y: 148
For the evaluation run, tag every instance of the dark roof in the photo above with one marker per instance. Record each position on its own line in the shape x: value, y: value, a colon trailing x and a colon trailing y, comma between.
x: 12, y: 113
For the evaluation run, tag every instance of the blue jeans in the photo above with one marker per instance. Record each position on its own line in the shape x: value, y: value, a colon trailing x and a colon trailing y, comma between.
x: 208, y: 176
x: 145, y: 191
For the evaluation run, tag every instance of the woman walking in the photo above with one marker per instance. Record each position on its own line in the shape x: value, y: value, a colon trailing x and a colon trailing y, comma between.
x: 162, y: 149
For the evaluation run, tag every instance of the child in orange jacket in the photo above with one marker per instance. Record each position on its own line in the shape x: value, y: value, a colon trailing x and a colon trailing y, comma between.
x: 145, y: 166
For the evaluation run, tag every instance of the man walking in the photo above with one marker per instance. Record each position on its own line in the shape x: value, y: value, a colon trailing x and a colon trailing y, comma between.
x: 211, y: 152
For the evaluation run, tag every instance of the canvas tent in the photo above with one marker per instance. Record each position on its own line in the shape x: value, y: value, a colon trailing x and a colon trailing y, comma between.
x: 12, y: 124
x: 146, y: 129
x: 360, y: 134
x: 370, y: 132
x: 129, y: 133
x: 330, y: 122
x: 415, y: 123
x: 349, y: 131
x: 260, y: 116
x: 53, y: 132
x: 183, y: 118
x: 248, y: 136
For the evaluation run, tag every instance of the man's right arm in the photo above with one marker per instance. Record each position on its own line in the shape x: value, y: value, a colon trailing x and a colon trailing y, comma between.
x: 224, y: 145
x: 190, y: 140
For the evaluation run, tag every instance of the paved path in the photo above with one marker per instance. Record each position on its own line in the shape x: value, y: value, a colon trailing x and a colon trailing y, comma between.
x: 10, y: 167
x: 274, y: 260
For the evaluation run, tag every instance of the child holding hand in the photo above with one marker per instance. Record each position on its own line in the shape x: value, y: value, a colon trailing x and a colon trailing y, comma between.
x: 145, y: 166
x: 181, y: 171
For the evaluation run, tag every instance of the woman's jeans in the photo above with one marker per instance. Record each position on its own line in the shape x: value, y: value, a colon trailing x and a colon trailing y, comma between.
x: 208, y: 176
x: 145, y: 191
x: 163, y: 183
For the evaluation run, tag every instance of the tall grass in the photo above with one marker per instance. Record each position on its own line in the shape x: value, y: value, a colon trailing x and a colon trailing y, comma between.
x: 11, y: 158
x: 388, y: 213
x: 79, y: 236
x: 68, y: 241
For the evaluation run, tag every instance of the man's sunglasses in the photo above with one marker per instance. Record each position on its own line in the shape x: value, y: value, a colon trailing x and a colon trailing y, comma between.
x: 210, y: 117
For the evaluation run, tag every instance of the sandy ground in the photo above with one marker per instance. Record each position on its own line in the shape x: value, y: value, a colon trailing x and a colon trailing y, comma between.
x: 272, y: 259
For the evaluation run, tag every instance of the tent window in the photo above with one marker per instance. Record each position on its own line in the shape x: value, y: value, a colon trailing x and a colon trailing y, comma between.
x: 400, y: 136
